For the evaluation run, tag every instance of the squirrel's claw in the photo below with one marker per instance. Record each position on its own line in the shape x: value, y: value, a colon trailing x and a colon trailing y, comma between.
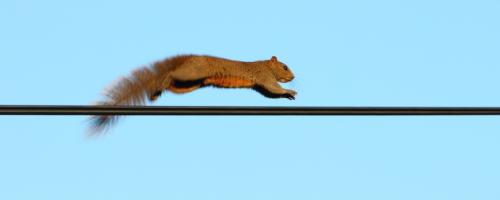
x: 290, y: 94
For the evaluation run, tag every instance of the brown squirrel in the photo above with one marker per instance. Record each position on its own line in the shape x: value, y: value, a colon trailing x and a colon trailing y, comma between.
x: 185, y: 73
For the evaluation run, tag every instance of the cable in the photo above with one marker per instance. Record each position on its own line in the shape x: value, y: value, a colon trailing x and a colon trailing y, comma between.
x: 238, y: 110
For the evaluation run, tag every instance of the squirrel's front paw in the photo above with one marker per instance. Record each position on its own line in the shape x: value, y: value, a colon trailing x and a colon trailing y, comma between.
x: 290, y: 94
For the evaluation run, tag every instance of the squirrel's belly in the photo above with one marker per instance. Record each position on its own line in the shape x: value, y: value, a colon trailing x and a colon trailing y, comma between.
x: 229, y: 82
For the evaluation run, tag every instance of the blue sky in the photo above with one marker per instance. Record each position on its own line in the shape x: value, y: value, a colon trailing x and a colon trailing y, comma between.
x: 344, y: 53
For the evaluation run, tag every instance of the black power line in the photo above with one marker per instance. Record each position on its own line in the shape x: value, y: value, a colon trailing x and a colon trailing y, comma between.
x: 238, y: 110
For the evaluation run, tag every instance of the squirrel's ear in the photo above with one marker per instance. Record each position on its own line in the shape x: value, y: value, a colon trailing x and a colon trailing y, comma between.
x: 274, y: 59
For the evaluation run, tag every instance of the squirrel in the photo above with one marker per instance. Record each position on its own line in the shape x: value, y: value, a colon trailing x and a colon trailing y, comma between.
x: 185, y: 73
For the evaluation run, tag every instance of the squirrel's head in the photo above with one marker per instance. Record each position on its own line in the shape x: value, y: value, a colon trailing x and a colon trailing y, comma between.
x: 280, y: 70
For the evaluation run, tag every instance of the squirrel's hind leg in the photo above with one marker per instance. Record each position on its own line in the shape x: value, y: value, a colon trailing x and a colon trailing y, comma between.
x: 181, y: 90
x: 174, y: 89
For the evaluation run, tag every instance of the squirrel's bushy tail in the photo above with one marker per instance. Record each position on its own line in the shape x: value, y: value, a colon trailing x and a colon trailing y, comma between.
x: 142, y: 86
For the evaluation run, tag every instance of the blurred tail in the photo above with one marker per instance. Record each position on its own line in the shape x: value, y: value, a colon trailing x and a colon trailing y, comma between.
x: 128, y: 91
x: 142, y: 86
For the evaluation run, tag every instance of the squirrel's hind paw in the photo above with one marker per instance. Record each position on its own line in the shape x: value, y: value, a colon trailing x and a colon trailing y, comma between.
x: 155, y: 96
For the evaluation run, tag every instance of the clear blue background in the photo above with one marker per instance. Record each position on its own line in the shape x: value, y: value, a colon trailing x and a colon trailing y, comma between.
x: 344, y: 53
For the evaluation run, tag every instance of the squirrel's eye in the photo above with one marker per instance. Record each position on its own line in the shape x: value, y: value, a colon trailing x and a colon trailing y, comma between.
x: 285, y: 67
